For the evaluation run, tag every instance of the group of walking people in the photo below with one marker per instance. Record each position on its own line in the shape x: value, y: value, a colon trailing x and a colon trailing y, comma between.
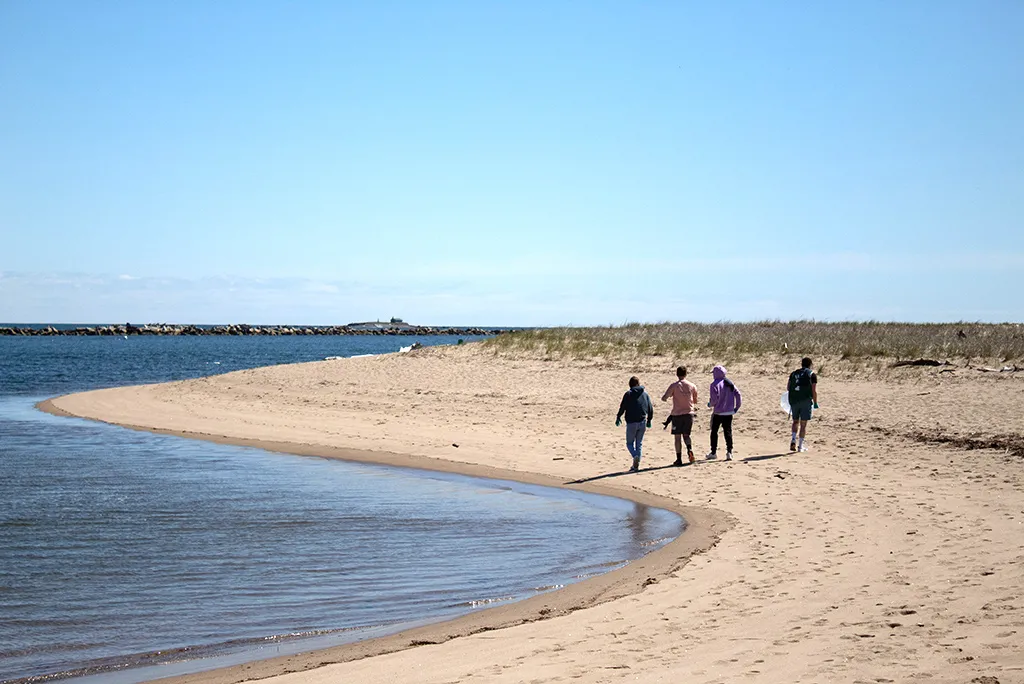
x: 724, y: 400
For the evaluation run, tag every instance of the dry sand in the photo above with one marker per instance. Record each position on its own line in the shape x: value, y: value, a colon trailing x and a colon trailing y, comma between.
x: 875, y: 557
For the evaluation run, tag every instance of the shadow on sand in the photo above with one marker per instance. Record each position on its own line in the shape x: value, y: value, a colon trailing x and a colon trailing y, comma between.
x: 769, y: 456
x: 749, y: 459
x: 625, y: 472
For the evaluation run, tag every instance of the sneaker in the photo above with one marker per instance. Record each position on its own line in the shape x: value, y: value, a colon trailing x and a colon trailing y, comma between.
x: 689, y: 455
x: 803, y: 449
x: 792, y: 446
x: 711, y: 456
x: 636, y: 465
x: 678, y: 461
x: 728, y: 455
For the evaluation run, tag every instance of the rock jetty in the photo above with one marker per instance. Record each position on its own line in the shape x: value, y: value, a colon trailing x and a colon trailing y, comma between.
x: 242, y: 329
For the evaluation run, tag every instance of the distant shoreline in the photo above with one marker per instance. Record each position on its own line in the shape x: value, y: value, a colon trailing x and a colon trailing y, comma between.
x: 163, y: 329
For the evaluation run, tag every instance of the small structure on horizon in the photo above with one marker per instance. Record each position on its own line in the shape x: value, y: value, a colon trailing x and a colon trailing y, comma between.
x: 393, y: 324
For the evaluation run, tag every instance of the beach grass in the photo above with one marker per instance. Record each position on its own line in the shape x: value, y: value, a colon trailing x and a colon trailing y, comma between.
x: 869, y: 340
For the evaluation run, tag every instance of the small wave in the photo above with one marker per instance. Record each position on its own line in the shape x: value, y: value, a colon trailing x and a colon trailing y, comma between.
x: 170, y: 655
x: 549, y: 587
x: 19, y: 522
x: 656, y: 542
x: 479, y: 603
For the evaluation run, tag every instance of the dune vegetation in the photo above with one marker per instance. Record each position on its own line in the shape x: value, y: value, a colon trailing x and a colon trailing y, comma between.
x: 838, y: 341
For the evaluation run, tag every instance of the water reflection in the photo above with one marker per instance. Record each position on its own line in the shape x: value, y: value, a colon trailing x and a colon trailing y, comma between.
x: 637, y: 521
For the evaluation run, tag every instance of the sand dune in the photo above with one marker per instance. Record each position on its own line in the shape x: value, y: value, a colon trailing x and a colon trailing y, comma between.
x: 874, y: 557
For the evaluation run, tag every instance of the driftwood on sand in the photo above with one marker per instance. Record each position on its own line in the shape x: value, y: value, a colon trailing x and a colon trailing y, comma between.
x: 920, y: 362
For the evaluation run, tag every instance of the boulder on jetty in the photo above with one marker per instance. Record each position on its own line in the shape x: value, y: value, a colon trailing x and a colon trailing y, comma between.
x: 244, y: 329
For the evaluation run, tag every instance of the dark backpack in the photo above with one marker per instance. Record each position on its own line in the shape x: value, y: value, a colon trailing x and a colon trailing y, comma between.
x: 800, y: 385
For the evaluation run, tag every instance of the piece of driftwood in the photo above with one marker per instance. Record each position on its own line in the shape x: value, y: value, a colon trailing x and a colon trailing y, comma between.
x: 920, y: 362
x: 1004, y: 369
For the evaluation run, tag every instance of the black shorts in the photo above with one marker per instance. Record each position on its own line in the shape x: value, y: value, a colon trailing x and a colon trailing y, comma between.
x: 801, y: 409
x: 682, y: 425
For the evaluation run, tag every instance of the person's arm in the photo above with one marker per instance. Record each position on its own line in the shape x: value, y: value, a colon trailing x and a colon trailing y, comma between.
x: 650, y: 410
x: 739, y: 397
x: 668, y: 393
x: 693, y: 396
x: 814, y: 390
x: 622, y: 408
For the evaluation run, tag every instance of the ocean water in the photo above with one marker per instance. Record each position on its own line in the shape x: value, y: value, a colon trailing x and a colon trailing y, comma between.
x: 129, y: 556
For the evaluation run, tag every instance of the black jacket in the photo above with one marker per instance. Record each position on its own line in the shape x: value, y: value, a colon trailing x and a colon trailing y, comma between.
x: 636, y: 404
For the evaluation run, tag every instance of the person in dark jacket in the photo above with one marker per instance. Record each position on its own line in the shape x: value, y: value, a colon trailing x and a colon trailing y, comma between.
x: 639, y: 411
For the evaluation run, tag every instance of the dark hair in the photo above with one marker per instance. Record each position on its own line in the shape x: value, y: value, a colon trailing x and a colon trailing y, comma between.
x: 681, y: 371
x: 634, y: 381
x: 805, y: 362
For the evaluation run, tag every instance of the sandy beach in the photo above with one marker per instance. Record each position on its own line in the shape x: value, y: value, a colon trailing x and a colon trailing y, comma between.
x: 892, y: 551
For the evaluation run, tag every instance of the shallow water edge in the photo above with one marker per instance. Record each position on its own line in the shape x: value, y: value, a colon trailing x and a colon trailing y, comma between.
x: 704, y: 527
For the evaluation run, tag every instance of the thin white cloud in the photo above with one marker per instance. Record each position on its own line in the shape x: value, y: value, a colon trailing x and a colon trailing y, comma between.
x: 575, y: 266
x: 846, y: 286
x: 321, y: 287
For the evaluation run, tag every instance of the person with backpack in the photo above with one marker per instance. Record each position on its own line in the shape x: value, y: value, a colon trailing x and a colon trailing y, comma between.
x: 639, y: 411
x: 803, y: 397
x: 724, y: 401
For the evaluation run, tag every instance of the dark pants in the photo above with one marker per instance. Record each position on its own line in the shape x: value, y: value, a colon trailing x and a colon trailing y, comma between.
x: 726, y: 423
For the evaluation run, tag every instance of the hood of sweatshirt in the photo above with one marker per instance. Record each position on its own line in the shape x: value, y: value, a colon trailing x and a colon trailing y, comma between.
x: 718, y: 372
x: 636, y: 391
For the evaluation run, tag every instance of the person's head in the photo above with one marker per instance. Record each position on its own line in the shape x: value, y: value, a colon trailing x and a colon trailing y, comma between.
x: 805, y: 362
x: 681, y: 372
x: 718, y: 372
x: 634, y: 381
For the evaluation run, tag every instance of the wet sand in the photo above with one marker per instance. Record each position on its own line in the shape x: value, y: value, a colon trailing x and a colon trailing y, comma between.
x: 874, y: 557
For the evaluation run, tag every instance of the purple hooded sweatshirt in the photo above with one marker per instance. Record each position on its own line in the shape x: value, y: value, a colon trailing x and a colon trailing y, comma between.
x: 725, y: 397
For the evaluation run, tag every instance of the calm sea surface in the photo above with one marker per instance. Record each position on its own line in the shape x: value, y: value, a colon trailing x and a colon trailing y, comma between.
x: 130, y: 556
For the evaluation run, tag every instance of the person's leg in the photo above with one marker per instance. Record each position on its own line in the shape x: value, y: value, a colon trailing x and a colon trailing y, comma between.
x: 802, y: 414
x: 634, y: 438
x: 641, y: 428
x: 677, y: 434
x: 792, y: 439
x: 687, y: 429
x: 631, y: 438
x: 727, y: 431
x: 716, y: 420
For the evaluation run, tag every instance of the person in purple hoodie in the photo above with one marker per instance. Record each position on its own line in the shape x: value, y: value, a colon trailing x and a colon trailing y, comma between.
x: 724, y: 401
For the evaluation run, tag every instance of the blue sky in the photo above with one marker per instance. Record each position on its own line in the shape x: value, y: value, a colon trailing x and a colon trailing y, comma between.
x: 527, y: 163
